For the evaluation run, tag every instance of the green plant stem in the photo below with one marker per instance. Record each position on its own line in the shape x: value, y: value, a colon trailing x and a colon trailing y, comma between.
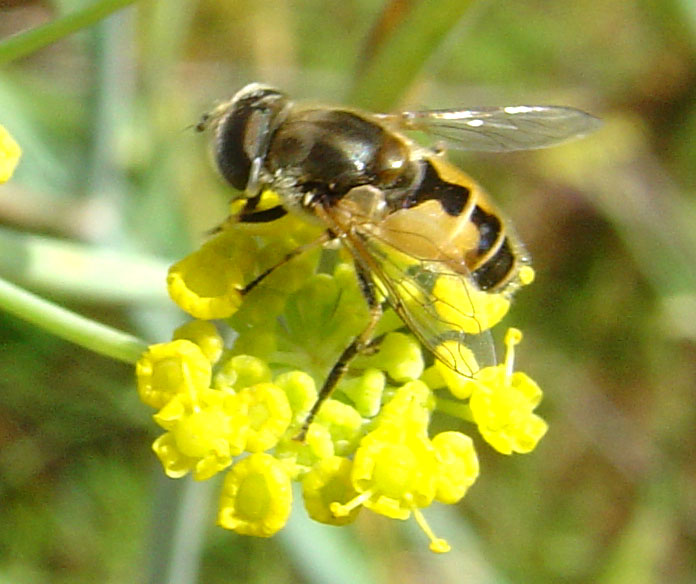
x: 70, y: 326
x: 454, y: 408
x: 32, y: 40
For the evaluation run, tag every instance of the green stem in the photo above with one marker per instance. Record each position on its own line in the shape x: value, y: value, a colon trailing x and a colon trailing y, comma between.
x: 453, y: 408
x: 32, y: 40
x: 70, y: 326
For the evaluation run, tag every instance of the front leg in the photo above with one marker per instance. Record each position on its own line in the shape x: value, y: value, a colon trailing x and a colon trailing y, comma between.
x: 360, y: 344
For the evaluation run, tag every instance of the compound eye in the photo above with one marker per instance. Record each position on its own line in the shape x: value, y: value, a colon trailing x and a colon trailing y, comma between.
x: 232, y: 160
x: 242, y: 135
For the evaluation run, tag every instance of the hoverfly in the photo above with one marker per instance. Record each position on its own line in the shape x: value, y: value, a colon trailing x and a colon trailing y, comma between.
x: 413, y: 222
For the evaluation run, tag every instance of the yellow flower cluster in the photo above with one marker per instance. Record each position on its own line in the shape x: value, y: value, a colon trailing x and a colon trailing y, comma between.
x: 239, y: 407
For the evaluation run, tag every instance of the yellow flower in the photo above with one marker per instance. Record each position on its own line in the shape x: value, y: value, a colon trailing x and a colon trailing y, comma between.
x: 409, y: 407
x: 269, y: 415
x: 462, y: 305
x: 343, y: 423
x: 241, y: 371
x: 459, y: 465
x: 10, y: 153
x: 203, y: 435
x: 256, y: 496
x: 503, y: 409
x: 316, y: 446
x: 400, y: 355
x: 502, y: 404
x: 396, y: 471
x: 366, y: 391
x: 456, y: 366
x: 168, y: 369
x: 205, y: 335
x: 300, y: 390
x: 327, y: 483
x: 207, y: 284
x: 369, y: 444
x: 394, y: 465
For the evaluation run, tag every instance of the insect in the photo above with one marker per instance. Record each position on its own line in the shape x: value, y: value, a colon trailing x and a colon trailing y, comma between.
x: 423, y: 235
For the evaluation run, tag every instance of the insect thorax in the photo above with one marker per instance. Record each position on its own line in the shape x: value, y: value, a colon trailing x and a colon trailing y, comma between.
x: 326, y: 153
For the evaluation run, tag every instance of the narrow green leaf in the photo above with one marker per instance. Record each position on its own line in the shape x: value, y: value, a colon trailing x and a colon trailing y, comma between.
x: 25, y: 43
x: 402, y: 55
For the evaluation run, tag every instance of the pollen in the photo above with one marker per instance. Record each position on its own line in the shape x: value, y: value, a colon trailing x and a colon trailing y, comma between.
x: 526, y: 275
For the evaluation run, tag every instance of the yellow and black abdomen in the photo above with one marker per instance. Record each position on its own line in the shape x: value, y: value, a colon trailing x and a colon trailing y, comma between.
x: 461, y: 225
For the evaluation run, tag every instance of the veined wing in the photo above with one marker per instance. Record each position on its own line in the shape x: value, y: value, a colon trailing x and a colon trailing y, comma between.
x: 439, y: 305
x: 498, y: 129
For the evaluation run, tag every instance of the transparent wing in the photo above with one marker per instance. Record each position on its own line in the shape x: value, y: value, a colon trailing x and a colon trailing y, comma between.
x: 445, y: 323
x: 498, y: 129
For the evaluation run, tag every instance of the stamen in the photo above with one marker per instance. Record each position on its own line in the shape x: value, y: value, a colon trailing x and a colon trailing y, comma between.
x: 513, y: 337
x: 342, y: 510
x: 190, y: 387
x: 437, y: 544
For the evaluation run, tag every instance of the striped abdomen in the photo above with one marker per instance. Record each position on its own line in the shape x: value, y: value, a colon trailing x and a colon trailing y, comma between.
x: 447, y: 217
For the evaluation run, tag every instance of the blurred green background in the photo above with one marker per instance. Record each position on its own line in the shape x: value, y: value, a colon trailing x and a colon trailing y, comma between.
x: 114, y: 184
